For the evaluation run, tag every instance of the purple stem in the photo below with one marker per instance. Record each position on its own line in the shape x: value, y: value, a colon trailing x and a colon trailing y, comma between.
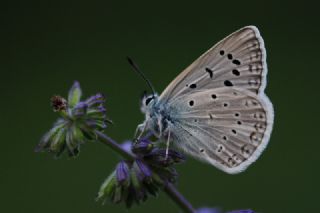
x: 178, y: 198
x: 169, y: 188
x: 106, y: 140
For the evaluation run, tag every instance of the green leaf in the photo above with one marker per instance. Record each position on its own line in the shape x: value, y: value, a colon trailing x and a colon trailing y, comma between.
x: 58, y: 140
x: 88, y: 134
x: 77, y: 135
x: 129, y: 200
x: 74, y: 94
x: 107, y: 186
x: 71, y: 142
x: 152, y: 188
x: 48, y: 137
x: 117, y: 194
x: 134, y: 180
x: 157, y: 179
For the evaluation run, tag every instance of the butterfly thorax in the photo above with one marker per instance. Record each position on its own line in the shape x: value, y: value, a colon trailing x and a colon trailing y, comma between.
x: 157, y: 116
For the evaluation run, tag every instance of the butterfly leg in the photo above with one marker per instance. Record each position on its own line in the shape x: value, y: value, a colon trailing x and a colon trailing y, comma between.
x: 160, y: 126
x: 140, y: 129
x: 168, y: 144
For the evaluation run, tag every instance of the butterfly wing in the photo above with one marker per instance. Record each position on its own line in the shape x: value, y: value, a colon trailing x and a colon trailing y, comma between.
x: 226, y: 127
x: 221, y: 114
x: 238, y: 60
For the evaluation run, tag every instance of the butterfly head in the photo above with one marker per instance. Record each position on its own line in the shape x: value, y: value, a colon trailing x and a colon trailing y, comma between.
x: 148, y: 101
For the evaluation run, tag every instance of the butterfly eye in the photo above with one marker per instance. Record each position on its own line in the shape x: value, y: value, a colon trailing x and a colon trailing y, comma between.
x: 148, y: 100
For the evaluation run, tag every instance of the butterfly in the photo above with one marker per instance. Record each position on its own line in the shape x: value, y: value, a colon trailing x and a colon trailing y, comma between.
x: 216, y: 109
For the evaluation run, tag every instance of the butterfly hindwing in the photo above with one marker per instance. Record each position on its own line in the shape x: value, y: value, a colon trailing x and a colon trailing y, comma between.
x: 226, y: 127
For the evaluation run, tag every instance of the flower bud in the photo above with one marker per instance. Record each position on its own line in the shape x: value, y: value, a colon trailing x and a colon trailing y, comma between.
x: 80, y: 109
x: 107, y: 188
x: 58, y: 141
x: 95, y: 100
x: 161, y: 158
x: 138, y: 179
x: 46, y: 140
x: 242, y: 211
x: 208, y: 210
x: 74, y: 94
x: 142, y: 146
x: 58, y: 103
x: 142, y: 170
x: 123, y: 173
x: 127, y: 145
x: 78, y: 123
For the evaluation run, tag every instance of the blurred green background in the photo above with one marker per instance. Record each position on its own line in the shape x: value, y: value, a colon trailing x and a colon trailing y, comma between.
x: 48, y: 44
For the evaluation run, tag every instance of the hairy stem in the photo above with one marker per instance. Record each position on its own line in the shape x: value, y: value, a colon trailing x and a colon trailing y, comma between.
x: 169, y: 188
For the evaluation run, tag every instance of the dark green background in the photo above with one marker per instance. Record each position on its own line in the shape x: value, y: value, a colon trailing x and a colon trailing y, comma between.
x: 46, y: 46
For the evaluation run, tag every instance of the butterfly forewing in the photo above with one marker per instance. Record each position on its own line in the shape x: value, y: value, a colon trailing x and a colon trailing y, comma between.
x: 227, y: 127
x: 238, y: 60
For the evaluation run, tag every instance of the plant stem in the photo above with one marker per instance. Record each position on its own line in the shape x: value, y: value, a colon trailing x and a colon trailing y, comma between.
x: 169, y: 188
x: 106, y: 140
x: 178, y: 198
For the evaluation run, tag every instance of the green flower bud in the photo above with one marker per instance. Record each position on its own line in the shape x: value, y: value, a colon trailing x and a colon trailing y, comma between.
x: 78, y: 122
x: 107, y: 188
x: 74, y: 94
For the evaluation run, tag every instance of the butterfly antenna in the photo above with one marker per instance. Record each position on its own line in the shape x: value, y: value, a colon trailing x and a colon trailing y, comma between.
x: 136, y: 68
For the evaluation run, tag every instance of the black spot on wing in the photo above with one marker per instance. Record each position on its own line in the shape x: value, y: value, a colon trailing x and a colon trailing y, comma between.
x: 209, y: 71
x: 193, y: 86
x: 228, y: 83
x: 235, y: 72
x: 236, y: 62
